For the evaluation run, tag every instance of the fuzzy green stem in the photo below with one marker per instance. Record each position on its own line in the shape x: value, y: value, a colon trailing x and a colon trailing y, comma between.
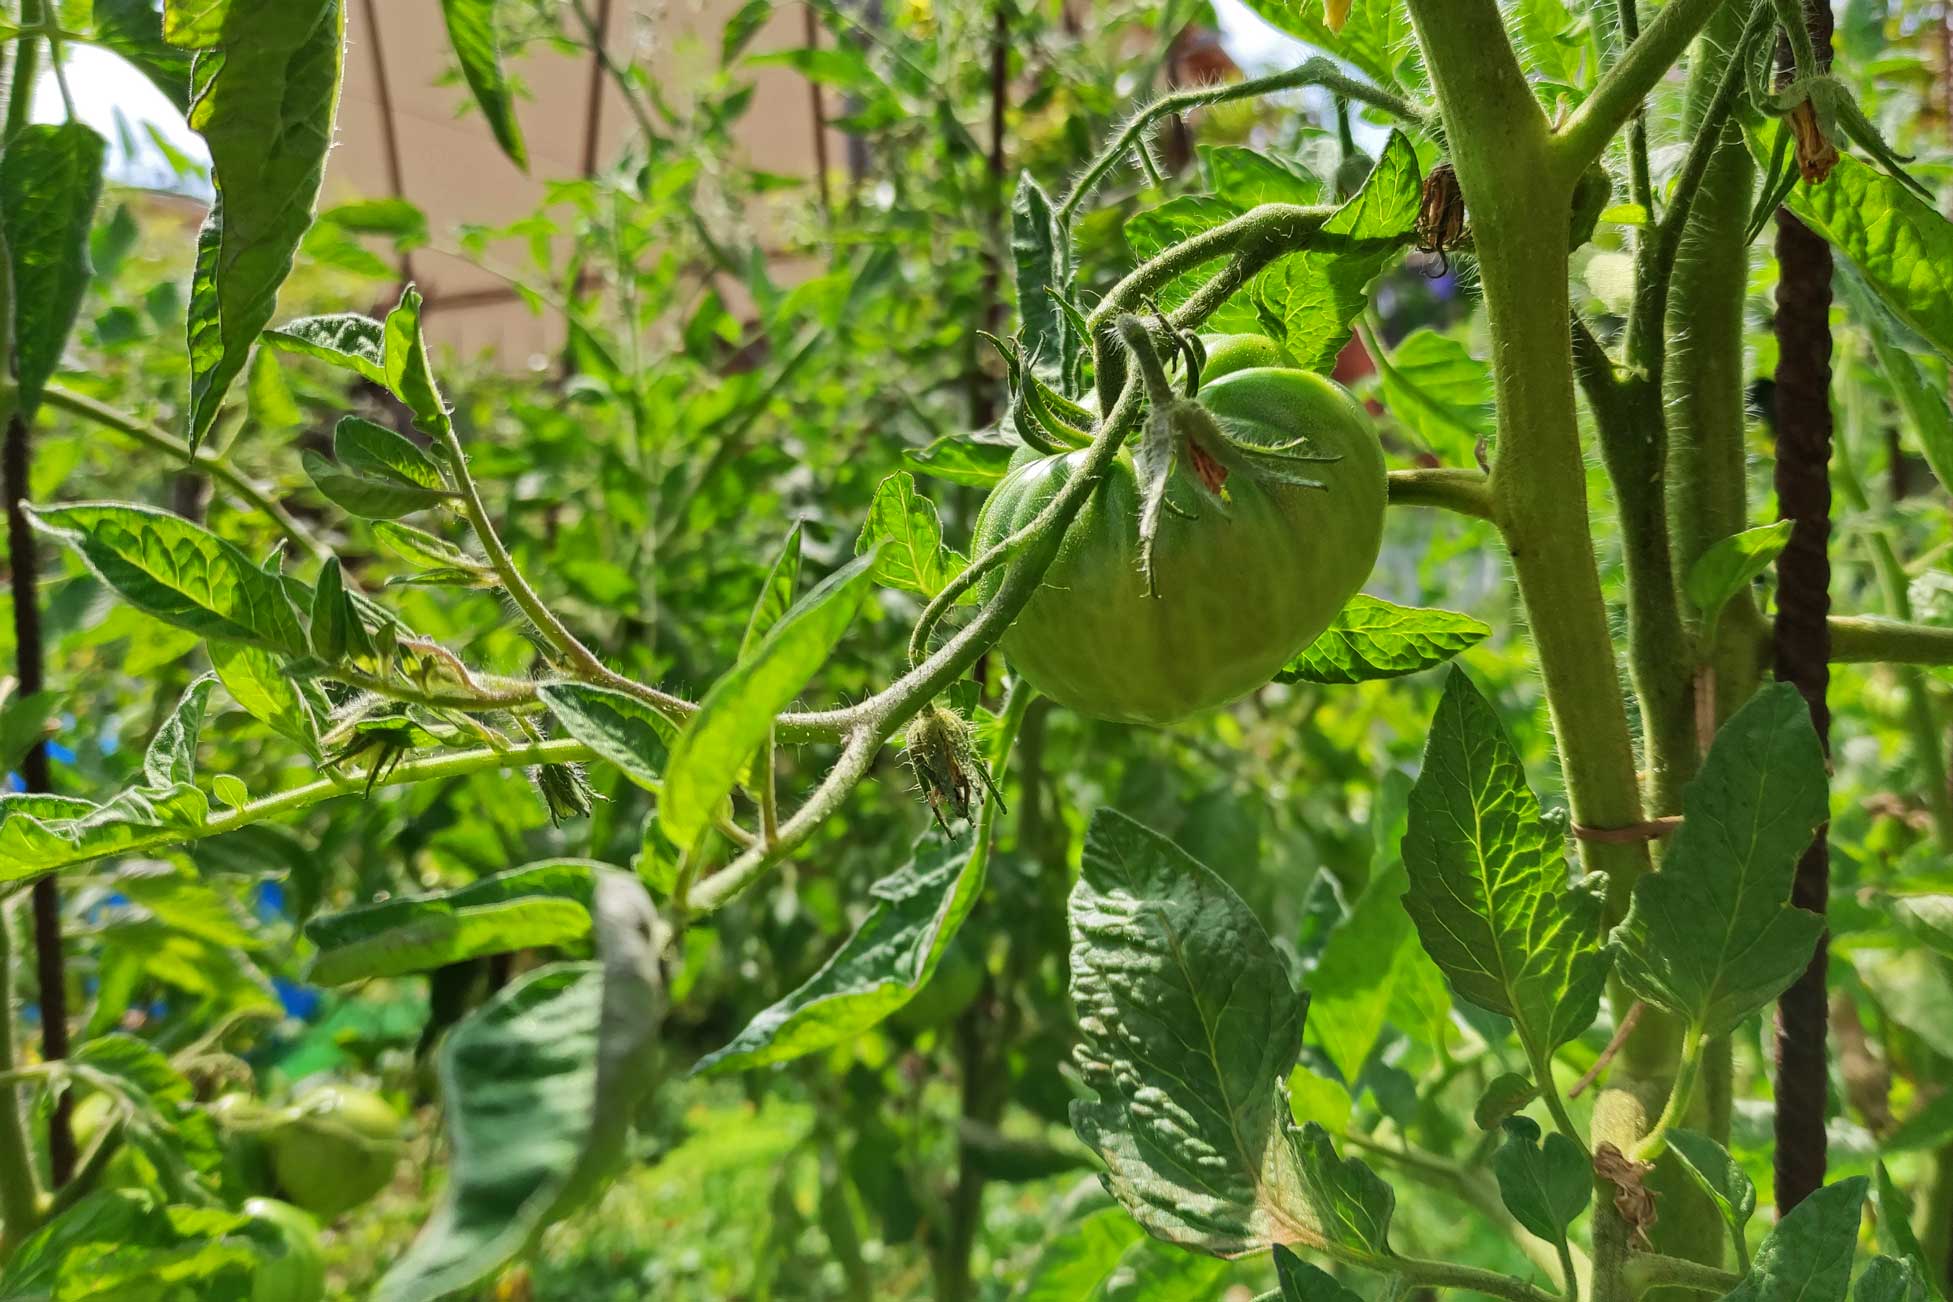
x: 1860, y: 639
x: 1451, y: 488
x: 1649, y: 1270
x: 216, y: 465
x: 1680, y: 1095
x: 1315, y: 72
x: 19, y: 1189
x: 1618, y: 95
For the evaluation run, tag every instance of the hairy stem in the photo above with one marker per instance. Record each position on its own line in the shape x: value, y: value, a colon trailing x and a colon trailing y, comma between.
x: 1618, y: 95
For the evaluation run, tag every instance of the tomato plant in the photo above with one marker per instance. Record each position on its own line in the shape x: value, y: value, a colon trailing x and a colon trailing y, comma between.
x: 1166, y: 681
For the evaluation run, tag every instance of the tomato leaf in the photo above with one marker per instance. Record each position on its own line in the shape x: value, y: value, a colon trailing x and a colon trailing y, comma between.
x: 374, y: 450
x: 1440, y: 393
x: 1807, y: 1257
x: 776, y: 593
x: 1712, y: 937
x: 1545, y: 1185
x: 1718, y: 1175
x: 257, y: 681
x: 410, y: 376
x: 1038, y: 251
x: 737, y: 713
x: 50, y: 182
x: 1303, y: 1281
x: 23, y: 722
x: 890, y: 957
x: 1900, y: 246
x: 345, y: 339
x: 541, y: 1083
x: 1918, y: 381
x: 1507, y: 1093
x: 172, y: 755
x: 179, y: 572
x: 1356, y: 977
x: 905, y: 526
x: 134, y: 30
x: 1892, y: 1214
x: 264, y: 95
x: 620, y: 728
x: 116, y: 1243
x: 1376, y: 36
x: 1372, y: 638
x: 1105, y: 1255
x: 38, y: 833
x: 1891, y: 1279
x: 471, y: 31
x: 1187, y: 1028
x: 540, y: 905
x: 961, y: 459
x: 1488, y: 884
x: 1729, y: 565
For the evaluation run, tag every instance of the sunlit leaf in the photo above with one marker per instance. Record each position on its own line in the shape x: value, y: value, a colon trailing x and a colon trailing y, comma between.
x: 265, y: 92
x: 1807, y: 1257
x: 1713, y: 936
x: 962, y: 460
x: 1037, y: 250
x: 1900, y: 246
x: 1441, y: 393
x: 1729, y: 565
x: 257, y: 681
x: 620, y: 728
x: 891, y: 955
x: 776, y: 593
x: 737, y: 713
x: 905, y: 526
x: 1371, y: 638
x: 123, y: 1243
x: 1489, y: 889
x: 471, y: 31
x: 345, y: 339
x: 410, y: 375
x: 172, y: 755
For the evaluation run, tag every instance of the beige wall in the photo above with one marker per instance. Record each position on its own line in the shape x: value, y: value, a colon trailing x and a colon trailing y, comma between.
x: 450, y: 165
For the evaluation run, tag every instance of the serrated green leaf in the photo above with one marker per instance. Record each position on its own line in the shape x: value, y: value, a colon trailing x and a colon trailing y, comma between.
x: 1900, y: 246
x: 1318, y: 294
x: 50, y: 182
x: 736, y: 715
x: 541, y: 1083
x: 1440, y: 393
x: 1372, y: 638
x: 1302, y: 1281
x: 367, y: 496
x: 776, y: 593
x: 179, y: 572
x: 478, y: 48
x: 157, y: 1104
x: 1037, y: 250
x: 410, y: 375
x: 1807, y: 1257
x: 38, y: 833
x: 258, y: 683
x: 1731, y: 564
x: 422, y: 548
x: 345, y: 339
x: 1376, y: 36
x: 1718, y: 1175
x: 905, y: 526
x: 621, y: 729
x: 891, y: 956
x: 1187, y: 1027
x: 264, y: 96
x: 1545, y: 1185
x: 172, y: 755
x: 123, y: 1243
x: 1489, y: 890
x: 538, y: 906
x: 1712, y: 937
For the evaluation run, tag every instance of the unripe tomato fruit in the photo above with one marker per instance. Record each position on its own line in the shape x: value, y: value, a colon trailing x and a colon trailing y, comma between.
x: 293, y: 1268
x: 1238, y: 594
x: 338, y: 1150
x: 1227, y: 354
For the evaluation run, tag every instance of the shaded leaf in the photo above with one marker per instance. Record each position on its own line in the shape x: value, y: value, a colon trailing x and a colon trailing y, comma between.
x: 1489, y: 890
x: 1037, y: 250
x: 776, y: 593
x: 1187, y: 1027
x: 1712, y: 937
x: 50, y: 182
x: 1372, y: 638
x: 1900, y: 246
x: 1351, y: 986
x: 172, y: 755
x: 1891, y: 1279
x: 1892, y: 1215
x: 1506, y: 1094
x: 541, y: 1085
x: 1545, y: 1185
x: 1439, y: 392
x: 1918, y: 381
x: 1718, y: 1175
x: 264, y: 94
x: 1302, y: 1281
x: 1807, y: 1257
x: 893, y: 954
x: 134, y: 30
x: 736, y: 715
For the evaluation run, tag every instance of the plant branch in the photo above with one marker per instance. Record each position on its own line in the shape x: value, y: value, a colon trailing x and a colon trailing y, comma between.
x: 1680, y: 1095
x: 214, y: 464
x: 1640, y: 184
x: 19, y: 1187
x: 1618, y: 95
x: 1649, y: 1270
x: 1864, y: 639
x: 1314, y: 72
x: 1450, y: 488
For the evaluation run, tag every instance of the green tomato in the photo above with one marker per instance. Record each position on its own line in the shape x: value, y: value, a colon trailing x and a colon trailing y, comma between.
x: 338, y: 1149
x: 293, y: 1265
x: 1238, y: 594
x: 1227, y: 354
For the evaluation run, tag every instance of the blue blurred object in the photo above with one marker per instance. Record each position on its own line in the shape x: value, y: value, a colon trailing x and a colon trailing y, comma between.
x: 300, y: 1001
x: 271, y: 899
